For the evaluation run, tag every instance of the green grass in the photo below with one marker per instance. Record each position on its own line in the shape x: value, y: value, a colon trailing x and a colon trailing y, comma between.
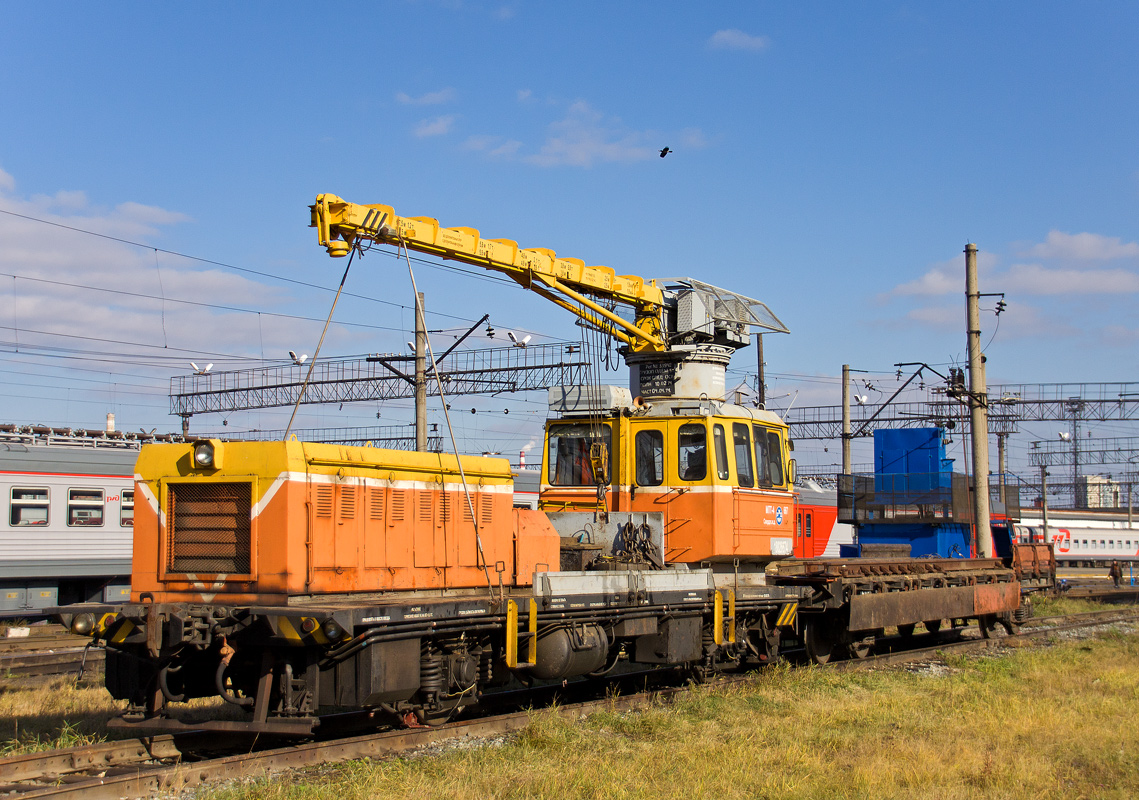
x: 1055, y: 722
x: 1043, y: 606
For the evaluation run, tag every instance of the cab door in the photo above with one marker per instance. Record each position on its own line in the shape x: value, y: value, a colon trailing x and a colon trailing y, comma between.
x: 804, y: 541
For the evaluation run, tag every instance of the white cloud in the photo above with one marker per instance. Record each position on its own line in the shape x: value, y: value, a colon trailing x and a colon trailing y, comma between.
x: 1119, y: 336
x: 149, y: 215
x: 55, y: 268
x: 1034, y: 279
x: 1083, y: 247
x: 585, y: 137
x: 948, y: 277
x: 734, y: 39
x: 936, y: 281
x: 525, y: 95
x: 493, y: 146
x: 436, y: 126
x: 7, y: 182
x: 428, y: 99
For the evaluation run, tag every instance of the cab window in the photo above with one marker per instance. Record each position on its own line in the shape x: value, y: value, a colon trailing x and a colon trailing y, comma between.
x: 768, y: 457
x: 569, y: 460
x: 692, y: 456
x: 721, y: 441
x: 650, y: 458
x: 741, y: 441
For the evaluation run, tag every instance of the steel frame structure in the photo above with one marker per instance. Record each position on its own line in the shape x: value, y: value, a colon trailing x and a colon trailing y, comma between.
x: 488, y: 371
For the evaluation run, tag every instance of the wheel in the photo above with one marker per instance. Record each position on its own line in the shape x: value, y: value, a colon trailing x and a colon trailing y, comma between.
x: 860, y: 648
x: 819, y: 639
x: 995, y: 626
x: 932, y: 625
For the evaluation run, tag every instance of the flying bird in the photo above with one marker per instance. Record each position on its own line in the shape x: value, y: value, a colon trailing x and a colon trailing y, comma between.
x: 201, y: 370
x: 665, y: 152
x: 298, y: 360
x: 861, y: 399
x: 519, y: 342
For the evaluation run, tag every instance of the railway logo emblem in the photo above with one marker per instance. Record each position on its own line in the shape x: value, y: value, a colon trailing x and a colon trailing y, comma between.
x: 779, y: 515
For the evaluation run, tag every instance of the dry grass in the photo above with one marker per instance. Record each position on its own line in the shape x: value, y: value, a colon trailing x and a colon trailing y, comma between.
x: 1058, y: 722
x: 55, y: 715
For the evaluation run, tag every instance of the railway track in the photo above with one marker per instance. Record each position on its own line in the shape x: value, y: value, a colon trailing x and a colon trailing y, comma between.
x: 144, y: 767
x: 50, y: 652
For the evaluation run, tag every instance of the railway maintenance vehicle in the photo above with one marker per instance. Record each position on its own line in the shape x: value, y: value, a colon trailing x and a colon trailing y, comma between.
x: 294, y: 579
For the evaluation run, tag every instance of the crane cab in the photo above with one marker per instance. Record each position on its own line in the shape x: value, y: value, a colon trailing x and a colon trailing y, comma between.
x: 720, y: 474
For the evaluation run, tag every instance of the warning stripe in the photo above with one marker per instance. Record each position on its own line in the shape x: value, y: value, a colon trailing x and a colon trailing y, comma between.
x: 787, y: 616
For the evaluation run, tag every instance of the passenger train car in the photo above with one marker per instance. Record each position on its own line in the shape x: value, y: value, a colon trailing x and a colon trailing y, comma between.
x: 1083, y: 538
x: 66, y: 536
x: 818, y: 533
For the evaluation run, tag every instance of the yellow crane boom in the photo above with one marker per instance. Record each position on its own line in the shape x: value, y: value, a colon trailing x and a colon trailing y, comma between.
x: 568, y: 282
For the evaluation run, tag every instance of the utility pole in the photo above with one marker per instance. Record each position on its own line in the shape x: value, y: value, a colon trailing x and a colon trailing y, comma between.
x: 1001, y: 467
x: 846, y: 419
x: 420, y: 376
x: 1044, y: 499
x: 760, y: 381
x: 978, y: 407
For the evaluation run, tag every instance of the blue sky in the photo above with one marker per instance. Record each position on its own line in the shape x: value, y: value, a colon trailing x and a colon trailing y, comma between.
x: 831, y: 159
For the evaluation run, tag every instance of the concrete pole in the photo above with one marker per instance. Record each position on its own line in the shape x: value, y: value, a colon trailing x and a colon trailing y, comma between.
x: 760, y: 388
x: 1044, y: 499
x: 1001, y: 468
x: 845, y: 419
x: 978, y: 407
x: 420, y: 376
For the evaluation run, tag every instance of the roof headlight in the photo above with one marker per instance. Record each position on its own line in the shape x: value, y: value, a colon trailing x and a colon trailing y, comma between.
x: 207, y: 454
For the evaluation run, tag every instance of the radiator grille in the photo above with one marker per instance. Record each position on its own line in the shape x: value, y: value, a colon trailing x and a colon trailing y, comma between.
x: 209, y: 528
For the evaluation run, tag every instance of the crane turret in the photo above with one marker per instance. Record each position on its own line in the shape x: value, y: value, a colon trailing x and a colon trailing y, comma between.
x: 677, y: 345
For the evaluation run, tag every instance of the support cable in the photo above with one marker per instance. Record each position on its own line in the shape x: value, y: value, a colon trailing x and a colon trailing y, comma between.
x: 450, y: 430
x: 316, y: 353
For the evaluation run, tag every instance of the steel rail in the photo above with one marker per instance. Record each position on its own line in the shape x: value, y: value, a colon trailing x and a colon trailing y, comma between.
x: 125, y: 769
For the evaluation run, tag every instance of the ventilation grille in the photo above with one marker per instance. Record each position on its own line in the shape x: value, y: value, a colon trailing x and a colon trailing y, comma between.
x: 324, y: 500
x: 209, y: 528
x: 376, y: 506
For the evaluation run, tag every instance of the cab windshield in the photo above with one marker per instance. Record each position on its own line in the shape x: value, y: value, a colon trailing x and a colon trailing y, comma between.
x: 569, y: 453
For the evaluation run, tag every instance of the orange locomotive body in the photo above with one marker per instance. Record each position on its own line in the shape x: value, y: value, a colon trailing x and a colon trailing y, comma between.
x: 269, y: 521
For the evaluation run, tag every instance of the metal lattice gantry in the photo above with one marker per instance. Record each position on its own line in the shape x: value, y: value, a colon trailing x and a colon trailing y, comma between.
x: 1093, y: 451
x: 1008, y: 405
x: 390, y: 437
x: 382, y: 377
